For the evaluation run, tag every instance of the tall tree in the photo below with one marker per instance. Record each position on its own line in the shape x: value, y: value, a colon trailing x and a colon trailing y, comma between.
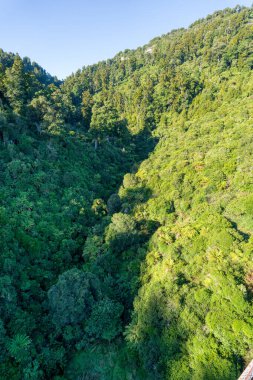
x: 15, y: 85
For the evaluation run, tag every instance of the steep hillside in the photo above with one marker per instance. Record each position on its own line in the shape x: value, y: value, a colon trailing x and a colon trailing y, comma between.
x: 126, y: 211
x: 194, y: 306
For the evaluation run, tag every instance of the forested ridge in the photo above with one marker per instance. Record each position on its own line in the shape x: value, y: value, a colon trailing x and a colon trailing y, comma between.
x: 126, y: 211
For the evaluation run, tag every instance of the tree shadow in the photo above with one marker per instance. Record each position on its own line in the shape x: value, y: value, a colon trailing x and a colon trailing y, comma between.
x: 133, y: 197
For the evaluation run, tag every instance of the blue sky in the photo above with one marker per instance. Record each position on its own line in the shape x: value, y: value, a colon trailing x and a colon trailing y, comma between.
x: 64, y: 35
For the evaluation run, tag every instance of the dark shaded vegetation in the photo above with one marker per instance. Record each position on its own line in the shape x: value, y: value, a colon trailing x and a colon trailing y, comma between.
x: 126, y: 211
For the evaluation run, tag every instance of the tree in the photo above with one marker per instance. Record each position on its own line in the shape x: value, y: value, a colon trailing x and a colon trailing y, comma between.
x: 104, y: 322
x: 86, y: 108
x: 8, y: 296
x: 72, y: 297
x: 105, y: 118
x: 19, y: 347
x: 15, y: 85
x: 122, y: 232
x: 113, y: 204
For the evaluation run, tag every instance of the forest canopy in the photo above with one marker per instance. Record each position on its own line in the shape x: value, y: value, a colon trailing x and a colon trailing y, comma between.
x: 126, y: 211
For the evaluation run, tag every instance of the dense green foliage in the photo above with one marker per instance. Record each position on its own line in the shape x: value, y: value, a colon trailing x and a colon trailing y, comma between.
x: 127, y: 211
